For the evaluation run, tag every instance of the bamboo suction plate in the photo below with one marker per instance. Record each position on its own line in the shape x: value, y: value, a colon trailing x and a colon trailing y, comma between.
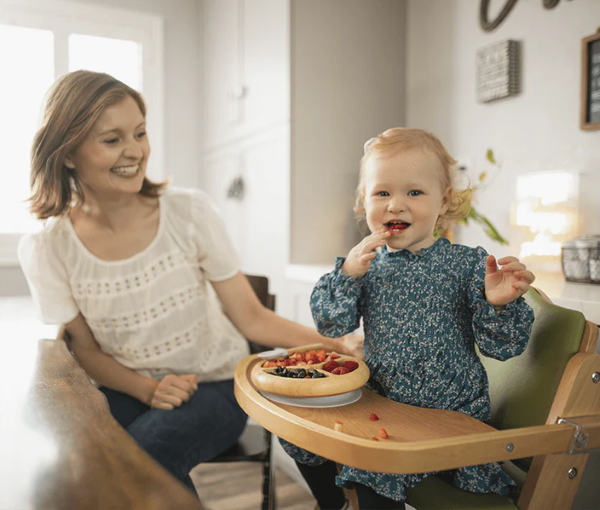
x: 310, y: 372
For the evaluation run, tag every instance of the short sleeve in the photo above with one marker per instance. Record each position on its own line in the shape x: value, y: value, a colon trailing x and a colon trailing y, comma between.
x: 218, y: 257
x: 47, y: 279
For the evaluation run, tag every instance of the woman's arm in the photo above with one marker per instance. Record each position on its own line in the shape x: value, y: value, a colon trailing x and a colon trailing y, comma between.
x: 104, y: 369
x: 167, y: 394
x: 261, y: 325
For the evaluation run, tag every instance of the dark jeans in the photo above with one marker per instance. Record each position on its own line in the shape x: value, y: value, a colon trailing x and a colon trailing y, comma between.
x: 180, y: 439
x: 321, y: 480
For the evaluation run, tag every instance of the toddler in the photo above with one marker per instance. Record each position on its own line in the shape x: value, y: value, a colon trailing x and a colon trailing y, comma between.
x: 425, y: 305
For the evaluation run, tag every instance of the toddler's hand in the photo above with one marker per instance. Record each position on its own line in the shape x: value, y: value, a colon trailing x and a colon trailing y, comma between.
x: 359, y: 259
x: 173, y: 390
x: 503, y: 285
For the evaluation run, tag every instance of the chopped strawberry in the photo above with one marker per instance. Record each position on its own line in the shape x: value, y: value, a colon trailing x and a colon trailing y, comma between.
x: 375, y: 438
x: 337, y: 426
x: 373, y: 417
x: 333, y: 355
x: 330, y: 366
x: 350, y: 365
x: 382, y: 434
x: 312, y: 355
x: 321, y: 355
x: 340, y: 371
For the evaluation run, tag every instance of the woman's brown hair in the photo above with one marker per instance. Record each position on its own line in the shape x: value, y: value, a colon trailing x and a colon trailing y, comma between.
x: 406, y: 139
x: 73, y: 105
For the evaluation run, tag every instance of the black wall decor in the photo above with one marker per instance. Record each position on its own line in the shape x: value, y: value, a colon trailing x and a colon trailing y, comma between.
x: 487, y: 25
x: 590, y: 82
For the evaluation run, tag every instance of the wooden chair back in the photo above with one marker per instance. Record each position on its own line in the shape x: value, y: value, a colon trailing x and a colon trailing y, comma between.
x: 260, y: 284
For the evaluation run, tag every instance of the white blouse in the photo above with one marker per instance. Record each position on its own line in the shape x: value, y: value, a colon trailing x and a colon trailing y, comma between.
x: 155, y: 312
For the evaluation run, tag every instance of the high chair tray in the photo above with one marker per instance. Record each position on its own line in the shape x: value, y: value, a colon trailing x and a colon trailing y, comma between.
x: 418, y: 440
x: 310, y: 371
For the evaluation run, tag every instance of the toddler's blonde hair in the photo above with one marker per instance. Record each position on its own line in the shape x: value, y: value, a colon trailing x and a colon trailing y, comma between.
x: 406, y: 139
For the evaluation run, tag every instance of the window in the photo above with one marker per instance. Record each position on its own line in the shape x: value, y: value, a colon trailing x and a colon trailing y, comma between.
x: 40, y: 40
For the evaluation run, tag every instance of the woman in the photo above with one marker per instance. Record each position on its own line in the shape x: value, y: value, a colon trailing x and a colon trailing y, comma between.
x: 143, y: 277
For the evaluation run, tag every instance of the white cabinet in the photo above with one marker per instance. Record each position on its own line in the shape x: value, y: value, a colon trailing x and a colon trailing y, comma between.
x: 246, y: 61
x: 221, y: 66
x: 258, y: 220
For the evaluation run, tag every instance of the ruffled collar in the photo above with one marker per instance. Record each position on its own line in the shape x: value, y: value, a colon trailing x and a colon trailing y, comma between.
x: 439, y: 245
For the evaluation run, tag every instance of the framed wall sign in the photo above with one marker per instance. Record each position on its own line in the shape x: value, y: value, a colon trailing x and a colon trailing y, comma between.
x: 498, y: 71
x: 590, y: 82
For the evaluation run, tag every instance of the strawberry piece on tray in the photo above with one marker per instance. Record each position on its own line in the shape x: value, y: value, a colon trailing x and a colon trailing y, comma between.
x: 330, y: 366
x: 350, y: 365
x: 340, y: 371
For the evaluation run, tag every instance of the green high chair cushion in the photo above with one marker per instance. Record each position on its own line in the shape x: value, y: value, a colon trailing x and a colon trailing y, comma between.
x: 522, y: 391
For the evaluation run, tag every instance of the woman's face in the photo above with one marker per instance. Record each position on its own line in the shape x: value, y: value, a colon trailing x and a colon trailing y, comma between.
x: 112, y: 159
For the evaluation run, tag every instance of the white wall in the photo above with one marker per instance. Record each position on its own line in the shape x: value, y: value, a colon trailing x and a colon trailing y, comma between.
x: 537, y: 130
x: 182, y: 67
x: 347, y: 75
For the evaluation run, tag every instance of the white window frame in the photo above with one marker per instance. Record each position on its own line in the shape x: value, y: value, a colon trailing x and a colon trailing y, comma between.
x: 63, y: 18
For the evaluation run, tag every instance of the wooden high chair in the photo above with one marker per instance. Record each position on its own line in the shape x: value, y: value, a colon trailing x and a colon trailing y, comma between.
x: 545, y: 405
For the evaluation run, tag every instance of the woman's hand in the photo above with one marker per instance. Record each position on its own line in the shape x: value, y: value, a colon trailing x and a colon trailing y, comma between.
x: 352, y: 345
x: 359, y: 259
x: 505, y: 284
x: 173, y: 390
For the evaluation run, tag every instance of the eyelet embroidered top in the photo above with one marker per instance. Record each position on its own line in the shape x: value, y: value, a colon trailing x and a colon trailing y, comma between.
x: 423, y: 314
x: 156, y: 311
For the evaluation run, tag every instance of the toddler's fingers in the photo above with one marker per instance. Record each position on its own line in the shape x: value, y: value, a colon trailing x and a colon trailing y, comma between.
x: 490, y: 265
x: 376, y: 237
x: 507, y: 260
x: 528, y: 276
x: 367, y: 257
x: 514, y: 266
x: 521, y: 287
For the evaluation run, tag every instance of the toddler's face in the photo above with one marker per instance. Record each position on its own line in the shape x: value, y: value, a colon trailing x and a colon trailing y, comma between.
x: 113, y: 157
x: 403, y: 194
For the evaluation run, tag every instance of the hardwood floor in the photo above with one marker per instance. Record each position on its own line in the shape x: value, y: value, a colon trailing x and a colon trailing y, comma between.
x: 237, y: 486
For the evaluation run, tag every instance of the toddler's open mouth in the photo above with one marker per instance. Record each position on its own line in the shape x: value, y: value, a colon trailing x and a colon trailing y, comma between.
x: 397, y: 226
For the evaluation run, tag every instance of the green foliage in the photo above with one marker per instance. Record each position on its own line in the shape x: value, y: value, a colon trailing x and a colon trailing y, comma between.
x: 487, y: 225
x: 474, y: 216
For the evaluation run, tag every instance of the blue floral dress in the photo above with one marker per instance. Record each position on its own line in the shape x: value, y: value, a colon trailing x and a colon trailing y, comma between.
x: 422, y: 315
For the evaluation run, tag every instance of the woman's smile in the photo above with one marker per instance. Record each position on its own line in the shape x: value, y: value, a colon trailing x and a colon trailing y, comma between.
x: 125, y: 171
